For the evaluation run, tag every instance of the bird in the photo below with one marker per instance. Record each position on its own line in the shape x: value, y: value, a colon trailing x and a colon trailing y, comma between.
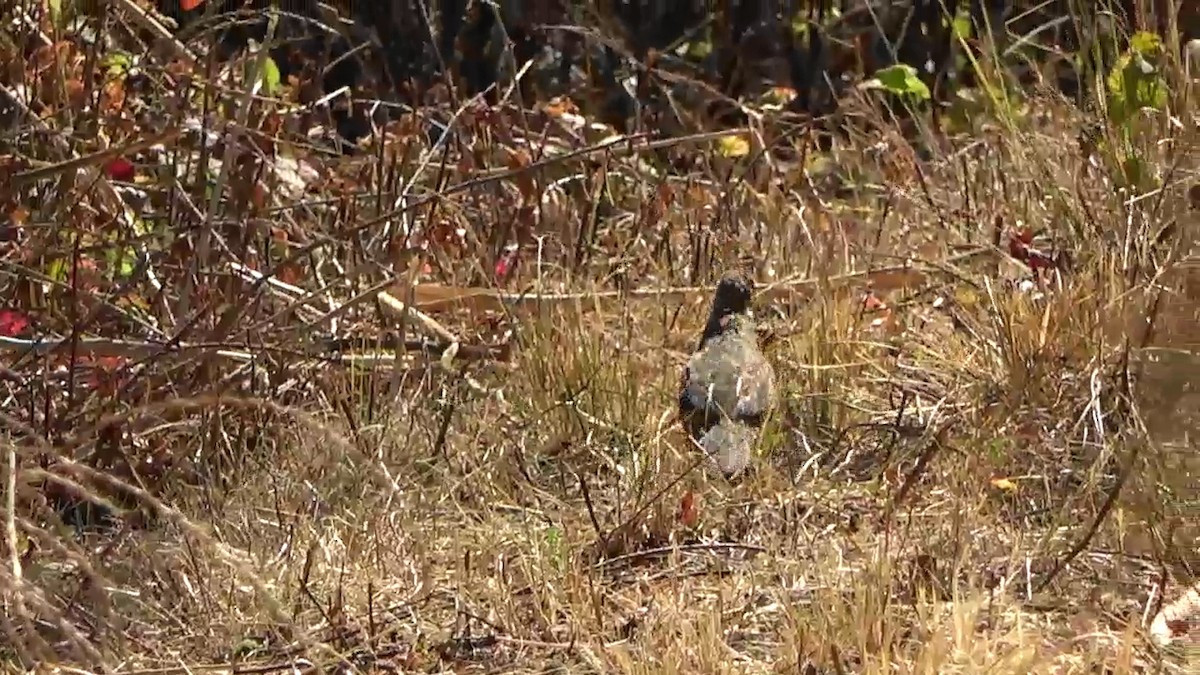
x: 728, y: 385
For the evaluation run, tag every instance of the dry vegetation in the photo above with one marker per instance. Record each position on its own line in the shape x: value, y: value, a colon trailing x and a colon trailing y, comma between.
x: 983, y: 459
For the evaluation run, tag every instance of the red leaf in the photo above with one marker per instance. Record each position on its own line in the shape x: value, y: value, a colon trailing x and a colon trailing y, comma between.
x: 1178, y: 627
x: 189, y: 5
x: 12, y: 323
x: 506, y: 263
x: 872, y: 303
x: 105, y: 374
x: 1017, y: 248
x: 1038, y: 260
x: 120, y: 169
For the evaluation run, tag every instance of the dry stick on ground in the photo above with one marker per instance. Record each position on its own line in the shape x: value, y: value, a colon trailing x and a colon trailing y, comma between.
x: 10, y: 512
x: 789, y: 285
x: 301, y: 300
x: 1110, y: 500
x: 431, y: 326
x: 426, y: 322
x: 114, y: 347
x: 936, y: 441
x: 135, y: 349
x: 681, y: 548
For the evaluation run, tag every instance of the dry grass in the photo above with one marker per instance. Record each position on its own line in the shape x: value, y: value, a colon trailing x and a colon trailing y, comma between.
x: 985, y: 477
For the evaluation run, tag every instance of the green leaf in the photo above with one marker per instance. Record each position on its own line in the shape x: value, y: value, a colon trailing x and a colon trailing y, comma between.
x: 961, y: 26
x: 56, y: 12
x: 140, y: 226
x: 733, y: 146
x: 271, y: 79
x: 1145, y: 43
x: 122, y: 261
x: 554, y: 542
x: 900, y: 79
x: 116, y: 63
x: 800, y: 25
x: 1135, y: 83
x: 695, y: 49
x: 57, y: 270
x: 248, y: 647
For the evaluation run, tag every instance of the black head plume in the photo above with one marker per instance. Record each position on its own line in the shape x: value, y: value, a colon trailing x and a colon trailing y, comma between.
x: 733, y: 294
x: 731, y: 297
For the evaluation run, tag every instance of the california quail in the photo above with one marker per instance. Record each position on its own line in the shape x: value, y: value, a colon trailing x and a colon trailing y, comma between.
x: 728, y: 385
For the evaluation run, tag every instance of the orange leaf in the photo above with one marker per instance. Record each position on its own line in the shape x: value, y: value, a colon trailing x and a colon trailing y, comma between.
x: 519, y: 160
x: 189, y: 5
x: 666, y: 196
x: 559, y: 105
x: 689, y: 515
x: 18, y: 216
x: 289, y: 273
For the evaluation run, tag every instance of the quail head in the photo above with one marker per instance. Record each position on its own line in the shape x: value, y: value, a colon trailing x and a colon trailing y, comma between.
x: 728, y: 385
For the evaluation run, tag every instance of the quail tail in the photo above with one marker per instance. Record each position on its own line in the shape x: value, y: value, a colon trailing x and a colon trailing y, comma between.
x: 729, y: 444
